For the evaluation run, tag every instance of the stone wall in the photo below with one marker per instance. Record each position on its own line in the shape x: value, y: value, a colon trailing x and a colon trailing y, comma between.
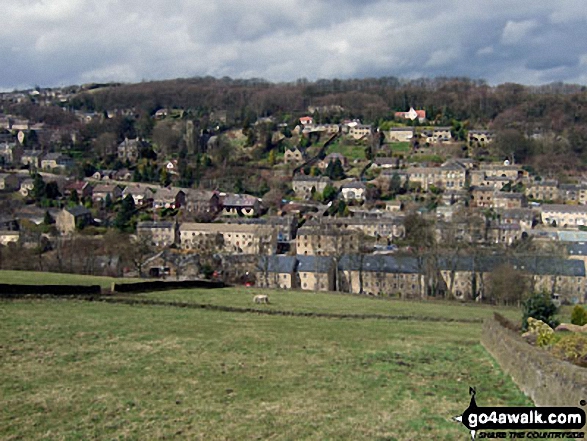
x: 547, y: 380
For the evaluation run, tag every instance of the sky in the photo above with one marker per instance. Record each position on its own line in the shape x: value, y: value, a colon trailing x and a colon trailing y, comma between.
x: 53, y: 43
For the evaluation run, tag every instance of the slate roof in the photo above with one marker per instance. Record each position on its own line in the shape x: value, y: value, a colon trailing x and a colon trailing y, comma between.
x: 382, y: 264
x: 312, y: 264
x: 277, y: 264
x: 78, y: 210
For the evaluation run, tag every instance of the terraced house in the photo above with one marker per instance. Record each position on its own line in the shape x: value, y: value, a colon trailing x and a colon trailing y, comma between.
x: 228, y: 238
x: 449, y: 176
x: 381, y: 275
x: 567, y: 216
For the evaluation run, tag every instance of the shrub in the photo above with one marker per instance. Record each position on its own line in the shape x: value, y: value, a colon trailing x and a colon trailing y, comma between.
x: 544, y: 333
x: 540, y: 307
x: 579, y: 316
x: 572, y: 347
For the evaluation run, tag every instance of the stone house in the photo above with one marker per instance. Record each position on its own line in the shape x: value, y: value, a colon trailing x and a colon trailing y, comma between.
x: 8, y: 237
x: 360, y: 131
x: 304, y: 186
x: 162, y: 234
x: 70, y: 219
x: 101, y: 191
x: 449, y: 176
x: 441, y: 134
x: 326, y: 240
x: 82, y: 188
x: 9, y: 182
x: 277, y: 272
x: 381, y: 275
x: 56, y: 160
x: 543, y: 190
x: 399, y: 134
x: 228, y: 238
x: 26, y: 187
x: 508, y: 200
x: 316, y: 273
x: 567, y: 216
x: 129, y: 149
x: 169, y: 198
x: 294, y: 155
x: 480, y: 136
x: 353, y: 191
x: 141, y: 194
x: 31, y: 158
x: 482, y: 197
x: 240, y: 205
x: 201, y: 201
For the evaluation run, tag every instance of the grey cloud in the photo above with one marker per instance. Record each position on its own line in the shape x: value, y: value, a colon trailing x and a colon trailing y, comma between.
x: 56, y: 42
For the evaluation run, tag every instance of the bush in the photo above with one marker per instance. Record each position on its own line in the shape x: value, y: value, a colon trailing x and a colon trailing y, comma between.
x: 540, y: 307
x: 579, y: 316
x: 572, y: 348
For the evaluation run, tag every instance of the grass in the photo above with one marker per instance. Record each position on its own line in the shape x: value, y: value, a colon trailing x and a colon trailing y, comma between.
x: 350, y: 151
x: 41, y: 278
x: 76, y: 371
x: 400, y: 147
x: 333, y: 303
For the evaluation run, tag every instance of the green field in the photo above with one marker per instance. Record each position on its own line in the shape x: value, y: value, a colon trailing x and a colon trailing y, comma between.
x: 349, y: 150
x: 332, y: 303
x: 400, y: 147
x: 39, y: 278
x: 75, y: 370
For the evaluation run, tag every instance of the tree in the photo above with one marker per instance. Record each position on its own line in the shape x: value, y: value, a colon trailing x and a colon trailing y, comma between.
x: 39, y: 188
x: 74, y: 197
x: 125, y: 214
x: 507, y: 285
x: 540, y: 307
x: 329, y: 193
x: 164, y: 178
x: 395, y: 185
x: 335, y: 171
x: 579, y: 316
x: 52, y: 190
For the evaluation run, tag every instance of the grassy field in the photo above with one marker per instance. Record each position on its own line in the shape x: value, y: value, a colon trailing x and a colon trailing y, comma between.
x: 77, y: 370
x: 39, y: 278
x: 349, y: 150
x: 332, y: 303
x: 400, y: 147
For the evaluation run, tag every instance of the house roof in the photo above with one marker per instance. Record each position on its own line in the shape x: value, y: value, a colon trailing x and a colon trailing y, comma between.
x: 539, y: 265
x: 277, y: 264
x: 380, y: 264
x: 305, y: 178
x: 355, y: 184
x: 577, y: 249
x: 105, y: 188
x: 78, y: 210
x: 560, y: 208
x: 312, y: 264
x: 239, y: 200
x: 155, y: 224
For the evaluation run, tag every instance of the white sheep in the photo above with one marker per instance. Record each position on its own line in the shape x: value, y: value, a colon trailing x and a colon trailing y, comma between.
x: 261, y: 298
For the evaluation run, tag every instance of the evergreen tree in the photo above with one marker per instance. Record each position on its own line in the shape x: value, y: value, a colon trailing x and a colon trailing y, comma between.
x: 335, y: 171
x: 108, y: 201
x: 39, y: 188
x: 395, y: 184
x: 125, y: 214
x: 74, y: 197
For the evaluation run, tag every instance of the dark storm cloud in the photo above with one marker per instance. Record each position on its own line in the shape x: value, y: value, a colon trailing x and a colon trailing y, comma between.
x: 55, y: 42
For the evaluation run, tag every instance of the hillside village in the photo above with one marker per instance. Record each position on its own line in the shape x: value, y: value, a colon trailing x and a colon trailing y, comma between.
x: 404, y: 207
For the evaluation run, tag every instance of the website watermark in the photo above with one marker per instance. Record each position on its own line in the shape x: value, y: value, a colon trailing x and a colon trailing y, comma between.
x: 529, y: 422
